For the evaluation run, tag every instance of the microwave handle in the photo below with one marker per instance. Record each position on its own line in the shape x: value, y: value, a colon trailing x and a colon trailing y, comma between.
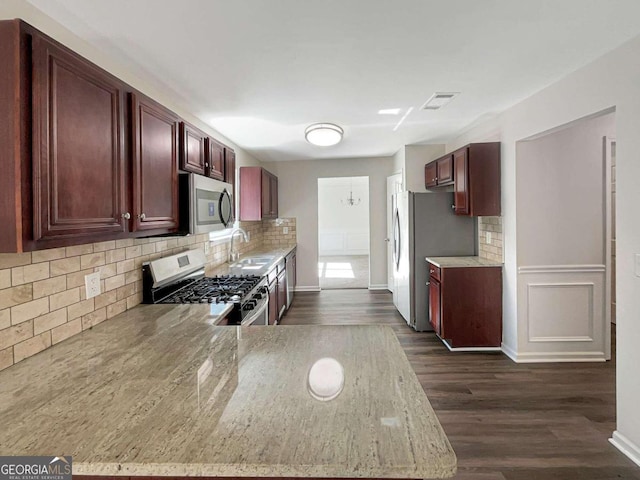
x: 229, y: 220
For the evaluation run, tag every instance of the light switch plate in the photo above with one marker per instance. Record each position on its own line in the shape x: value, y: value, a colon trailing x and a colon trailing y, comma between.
x: 488, y: 238
x: 207, y: 246
x: 637, y: 264
x: 92, y: 284
x: 285, y: 230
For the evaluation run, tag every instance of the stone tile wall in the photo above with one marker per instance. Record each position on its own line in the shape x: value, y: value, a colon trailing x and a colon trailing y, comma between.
x: 42, y: 293
x: 273, y: 232
x: 493, y: 250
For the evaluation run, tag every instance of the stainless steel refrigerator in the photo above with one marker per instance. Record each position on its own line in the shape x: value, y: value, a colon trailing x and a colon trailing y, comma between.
x: 424, y: 225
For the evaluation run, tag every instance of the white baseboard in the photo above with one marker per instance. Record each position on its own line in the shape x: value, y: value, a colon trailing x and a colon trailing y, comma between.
x: 378, y: 287
x: 301, y: 288
x: 469, y: 349
x: 626, y: 446
x: 553, y: 357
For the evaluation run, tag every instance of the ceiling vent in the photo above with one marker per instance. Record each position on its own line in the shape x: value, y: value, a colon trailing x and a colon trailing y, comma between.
x: 439, y: 100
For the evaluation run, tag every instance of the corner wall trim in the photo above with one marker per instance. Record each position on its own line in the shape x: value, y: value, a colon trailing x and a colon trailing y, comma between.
x: 626, y: 446
x: 509, y: 352
x: 378, y: 287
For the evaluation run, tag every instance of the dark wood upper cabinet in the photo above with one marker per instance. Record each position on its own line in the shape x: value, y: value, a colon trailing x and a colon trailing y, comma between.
x: 78, y: 146
x: 192, y: 149
x: 445, y: 170
x: 474, y: 172
x: 154, y: 143
x: 461, y: 182
x: 431, y: 174
x: 215, y: 159
x: 258, y: 194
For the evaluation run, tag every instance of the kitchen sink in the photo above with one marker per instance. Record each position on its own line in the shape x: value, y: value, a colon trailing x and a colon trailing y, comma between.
x: 254, y: 261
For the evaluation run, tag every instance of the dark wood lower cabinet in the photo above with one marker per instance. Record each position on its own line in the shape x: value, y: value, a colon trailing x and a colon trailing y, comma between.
x: 434, y: 304
x: 466, y: 306
x: 282, y: 292
x: 273, y: 302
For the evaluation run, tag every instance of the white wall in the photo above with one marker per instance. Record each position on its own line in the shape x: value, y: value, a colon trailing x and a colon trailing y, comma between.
x: 415, y: 158
x: 298, y: 197
x: 410, y: 161
x: 611, y: 81
x: 343, y: 229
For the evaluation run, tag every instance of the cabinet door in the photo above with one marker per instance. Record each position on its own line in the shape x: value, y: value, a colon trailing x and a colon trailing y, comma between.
x: 78, y: 146
x: 282, y: 293
x: 273, y: 192
x: 155, y: 165
x: 192, y: 149
x: 266, y: 194
x: 215, y: 159
x: 461, y: 182
x: 431, y: 174
x: 230, y: 174
x: 273, y: 302
x: 445, y: 170
x: 434, y: 305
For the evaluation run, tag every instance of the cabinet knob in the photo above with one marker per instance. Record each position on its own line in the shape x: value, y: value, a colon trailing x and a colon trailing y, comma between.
x: 142, y: 216
x: 428, y: 283
x: 206, y: 164
x: 453, y: 207
x: 126, y: 216
x: 431, y: 270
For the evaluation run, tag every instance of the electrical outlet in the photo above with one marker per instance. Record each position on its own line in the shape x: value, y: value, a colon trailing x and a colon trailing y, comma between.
x: 207, y: 247
x: 92, y: 284
x: 488, y: 235
x: 285, y: 230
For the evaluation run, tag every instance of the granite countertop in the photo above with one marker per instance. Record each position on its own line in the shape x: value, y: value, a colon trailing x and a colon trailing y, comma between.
x: 275, y: 254
x: 161, y: 391
x: 449, y: 262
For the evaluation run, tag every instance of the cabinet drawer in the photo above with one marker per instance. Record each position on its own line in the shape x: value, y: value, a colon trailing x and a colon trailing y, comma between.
x: 434, y: 271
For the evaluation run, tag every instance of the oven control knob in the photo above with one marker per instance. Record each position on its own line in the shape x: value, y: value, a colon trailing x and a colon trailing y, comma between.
x: 258, y: 296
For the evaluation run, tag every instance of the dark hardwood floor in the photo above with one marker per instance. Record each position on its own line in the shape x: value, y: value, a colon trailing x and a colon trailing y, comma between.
x: 506, y: 421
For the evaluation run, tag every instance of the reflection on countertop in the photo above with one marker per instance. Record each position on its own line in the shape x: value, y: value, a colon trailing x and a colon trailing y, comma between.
x: 159, y: 391
x: 451, y: 262
x: 258, y: 261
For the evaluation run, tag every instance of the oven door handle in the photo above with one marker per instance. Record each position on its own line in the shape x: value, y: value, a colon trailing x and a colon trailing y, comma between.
x: 252, y: 318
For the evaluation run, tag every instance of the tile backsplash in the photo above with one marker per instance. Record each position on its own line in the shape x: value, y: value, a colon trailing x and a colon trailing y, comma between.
x: 273, y: 232
x: 42, y: 294
x: 490, y: 250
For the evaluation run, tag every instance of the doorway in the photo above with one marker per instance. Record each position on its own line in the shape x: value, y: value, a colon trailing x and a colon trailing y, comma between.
x: 564, y: 236
x: 343, y: 232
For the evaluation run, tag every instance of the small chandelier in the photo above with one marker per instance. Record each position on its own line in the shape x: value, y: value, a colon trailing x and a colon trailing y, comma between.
x: 350, y: 201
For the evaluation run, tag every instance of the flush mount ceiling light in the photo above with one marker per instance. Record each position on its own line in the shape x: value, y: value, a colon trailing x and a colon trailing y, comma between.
x: 439, y: 100
x: 323, y: 134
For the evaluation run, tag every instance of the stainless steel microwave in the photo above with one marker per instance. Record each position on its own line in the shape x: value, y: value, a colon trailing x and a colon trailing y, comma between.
x: 205, y: 204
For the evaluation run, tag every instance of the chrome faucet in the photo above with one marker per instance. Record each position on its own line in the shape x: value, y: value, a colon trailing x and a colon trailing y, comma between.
x: 233, y: 255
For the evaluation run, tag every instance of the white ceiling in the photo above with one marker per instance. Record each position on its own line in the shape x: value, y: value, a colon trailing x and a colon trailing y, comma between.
x: 261, y: 71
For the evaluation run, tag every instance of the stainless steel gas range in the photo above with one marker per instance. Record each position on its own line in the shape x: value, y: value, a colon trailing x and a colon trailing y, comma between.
x: 180, y: 279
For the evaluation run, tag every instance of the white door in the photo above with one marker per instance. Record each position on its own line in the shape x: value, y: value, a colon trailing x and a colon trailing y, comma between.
x: 394, y: 185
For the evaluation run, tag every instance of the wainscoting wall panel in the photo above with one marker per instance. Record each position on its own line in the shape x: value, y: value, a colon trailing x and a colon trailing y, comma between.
x: 564, y: 314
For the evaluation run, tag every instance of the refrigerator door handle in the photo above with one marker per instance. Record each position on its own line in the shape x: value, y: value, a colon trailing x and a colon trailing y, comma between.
x: 396, y: 239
